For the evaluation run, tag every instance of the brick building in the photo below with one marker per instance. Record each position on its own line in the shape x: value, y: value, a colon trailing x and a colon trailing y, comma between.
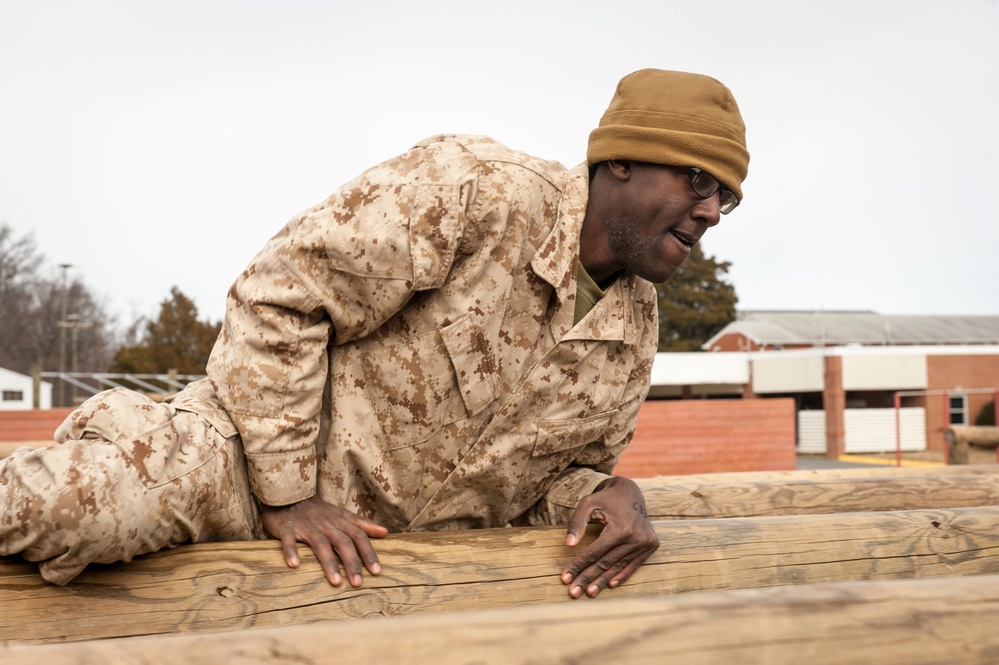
x: 845, y: 370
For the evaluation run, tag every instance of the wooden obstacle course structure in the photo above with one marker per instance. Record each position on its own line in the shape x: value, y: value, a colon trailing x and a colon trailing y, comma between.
x: 227, y: 593
x: 905, y: 622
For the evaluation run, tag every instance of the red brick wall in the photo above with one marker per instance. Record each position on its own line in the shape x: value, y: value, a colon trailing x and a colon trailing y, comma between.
x: 704, y: 436
x: 952, y: 373
x: 734, y: 342
x: 33, y: 425
x: 739, y: 342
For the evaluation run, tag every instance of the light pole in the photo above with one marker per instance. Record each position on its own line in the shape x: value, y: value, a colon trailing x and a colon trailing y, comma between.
x: 74, y: 323
x: 62, y: 336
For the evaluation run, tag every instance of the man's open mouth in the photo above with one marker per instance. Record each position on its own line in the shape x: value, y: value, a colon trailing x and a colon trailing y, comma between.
x: 684, y: 239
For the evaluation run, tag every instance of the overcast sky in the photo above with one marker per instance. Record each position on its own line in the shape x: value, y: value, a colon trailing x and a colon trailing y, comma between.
x: 153, y: 144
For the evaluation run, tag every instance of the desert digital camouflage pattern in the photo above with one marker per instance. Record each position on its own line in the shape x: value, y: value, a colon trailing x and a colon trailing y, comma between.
x: 407, y: 348
x: 130, y: 477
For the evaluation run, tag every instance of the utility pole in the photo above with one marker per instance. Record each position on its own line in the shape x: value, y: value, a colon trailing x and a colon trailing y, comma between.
x: 62, y: 335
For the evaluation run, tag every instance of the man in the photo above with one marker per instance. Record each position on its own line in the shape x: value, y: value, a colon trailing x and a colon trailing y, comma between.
x: 461, y: 337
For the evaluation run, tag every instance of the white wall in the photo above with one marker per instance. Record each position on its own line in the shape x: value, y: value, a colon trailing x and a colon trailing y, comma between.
x: 884, y: 372
x: 788, y: 372
x: 866, y: 430
x: 812, y: 432
x: 873, y: 430
x: 690, y: 369
x: 16, y: 392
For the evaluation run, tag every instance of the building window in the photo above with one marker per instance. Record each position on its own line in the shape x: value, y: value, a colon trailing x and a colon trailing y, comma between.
x: 13, y: 396
x: 957, y: 407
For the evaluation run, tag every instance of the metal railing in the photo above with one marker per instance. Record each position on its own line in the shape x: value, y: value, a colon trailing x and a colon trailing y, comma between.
x: 91, y: 383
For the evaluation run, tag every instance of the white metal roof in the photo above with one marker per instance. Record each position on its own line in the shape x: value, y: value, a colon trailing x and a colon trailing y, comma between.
x: 821, y: 328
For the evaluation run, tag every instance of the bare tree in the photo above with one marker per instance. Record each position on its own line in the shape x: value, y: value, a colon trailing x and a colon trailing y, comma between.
x: 18, y: 289
x: 31, y: 310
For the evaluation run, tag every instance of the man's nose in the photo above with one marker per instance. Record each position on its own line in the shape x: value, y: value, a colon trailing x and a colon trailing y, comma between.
x: 707, y: 210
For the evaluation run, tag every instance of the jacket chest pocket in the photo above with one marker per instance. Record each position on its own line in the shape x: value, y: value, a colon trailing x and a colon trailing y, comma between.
x: 560, y: 441
x: 421, y: 384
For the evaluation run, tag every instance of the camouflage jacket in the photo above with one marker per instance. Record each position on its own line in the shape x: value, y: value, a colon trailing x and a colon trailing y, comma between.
x: 407, y: 348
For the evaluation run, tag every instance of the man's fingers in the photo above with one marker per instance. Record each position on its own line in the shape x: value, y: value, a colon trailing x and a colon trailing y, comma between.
x: 371, y: 529
x: 289, y: 548
x: 337, y: 536
x: 597, y: 575
x: 355, y: 550
x: 368, y: 554
x: 630, y: 569
x: 600, y: 548
x: 577, y: 525
x: 328, y: 561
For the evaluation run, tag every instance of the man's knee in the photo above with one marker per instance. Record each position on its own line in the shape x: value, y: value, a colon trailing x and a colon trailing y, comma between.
x: 94, y: 500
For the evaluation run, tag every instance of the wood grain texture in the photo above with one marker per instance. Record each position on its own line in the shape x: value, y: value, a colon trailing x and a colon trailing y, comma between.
x: 783, y: 496
x: 979, y: 435
x: 229, y: 586
x: 817, y: 474
x: 908, y: 622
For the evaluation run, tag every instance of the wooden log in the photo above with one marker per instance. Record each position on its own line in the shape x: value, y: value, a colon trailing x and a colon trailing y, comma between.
x: 819, y: 496
x: 960, y: 440
x: 978, y: 435
x: 8, y: 447
x: 908, y: 622
x: 815, y: 474
x: 228, y: 586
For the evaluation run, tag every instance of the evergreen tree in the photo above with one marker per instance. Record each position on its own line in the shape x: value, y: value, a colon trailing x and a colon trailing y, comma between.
x: 176, y: 340
x: 695, y: 303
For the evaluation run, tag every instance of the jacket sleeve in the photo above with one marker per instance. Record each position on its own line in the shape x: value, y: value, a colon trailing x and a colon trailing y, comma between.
x: 333, y: 274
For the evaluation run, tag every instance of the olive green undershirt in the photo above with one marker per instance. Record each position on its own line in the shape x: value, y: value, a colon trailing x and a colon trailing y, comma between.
x: 588, y: 294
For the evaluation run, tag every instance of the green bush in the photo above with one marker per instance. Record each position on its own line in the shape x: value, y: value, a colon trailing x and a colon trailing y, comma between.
x: 987, y: 416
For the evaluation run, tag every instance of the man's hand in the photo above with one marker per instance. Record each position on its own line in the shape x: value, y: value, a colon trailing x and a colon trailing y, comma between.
x: 625, y: 542
x: 336, y: 536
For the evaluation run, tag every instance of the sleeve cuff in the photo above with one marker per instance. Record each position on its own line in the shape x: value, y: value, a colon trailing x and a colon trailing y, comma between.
x: 573, y: 486
x: 280, y: 479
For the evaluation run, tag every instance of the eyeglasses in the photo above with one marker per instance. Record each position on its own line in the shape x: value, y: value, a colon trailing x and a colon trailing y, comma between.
x: 705, y: 186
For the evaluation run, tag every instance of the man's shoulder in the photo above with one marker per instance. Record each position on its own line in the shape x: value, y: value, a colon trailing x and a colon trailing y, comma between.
x: 486, y: 150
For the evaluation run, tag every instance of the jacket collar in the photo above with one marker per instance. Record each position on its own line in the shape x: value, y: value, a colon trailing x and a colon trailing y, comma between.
x: 557, y: 262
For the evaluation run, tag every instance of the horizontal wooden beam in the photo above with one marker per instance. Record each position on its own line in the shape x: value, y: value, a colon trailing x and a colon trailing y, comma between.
x: 228, y: 586
x: 977, y: 435
x: 890, y: 623
x: 818, y: 474
x: 782, y: 496
x: 7, y: 448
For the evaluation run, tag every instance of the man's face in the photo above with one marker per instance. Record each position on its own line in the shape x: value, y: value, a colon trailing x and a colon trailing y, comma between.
x: 658, y: 219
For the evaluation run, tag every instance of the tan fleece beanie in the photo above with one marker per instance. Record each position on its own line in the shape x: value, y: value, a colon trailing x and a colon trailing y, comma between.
x: 674, y: 118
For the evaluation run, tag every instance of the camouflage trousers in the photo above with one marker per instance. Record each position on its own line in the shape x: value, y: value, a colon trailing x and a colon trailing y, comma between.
x: 128, y: 476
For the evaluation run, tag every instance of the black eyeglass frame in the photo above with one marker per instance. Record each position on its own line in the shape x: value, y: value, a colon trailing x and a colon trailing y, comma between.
x: 705, y: 185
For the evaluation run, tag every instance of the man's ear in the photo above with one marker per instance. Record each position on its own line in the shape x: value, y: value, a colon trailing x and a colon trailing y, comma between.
x: 619, y: 168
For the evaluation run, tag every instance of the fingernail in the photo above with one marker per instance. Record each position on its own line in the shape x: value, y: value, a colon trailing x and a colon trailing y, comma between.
x: 592, y: 590
x: 375, y: 569
x: 576, y: 592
